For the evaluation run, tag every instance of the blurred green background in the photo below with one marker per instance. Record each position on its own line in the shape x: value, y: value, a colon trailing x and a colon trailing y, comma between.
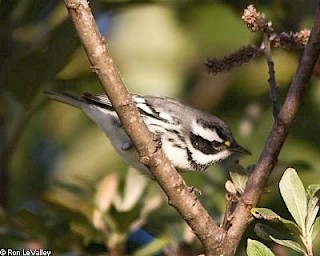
x: 66, y: 188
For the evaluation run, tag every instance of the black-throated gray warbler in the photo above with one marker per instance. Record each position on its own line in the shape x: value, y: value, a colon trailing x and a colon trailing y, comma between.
x: 190, y: 138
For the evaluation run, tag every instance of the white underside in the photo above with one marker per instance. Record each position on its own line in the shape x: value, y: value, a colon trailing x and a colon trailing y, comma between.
x: 105, y: 120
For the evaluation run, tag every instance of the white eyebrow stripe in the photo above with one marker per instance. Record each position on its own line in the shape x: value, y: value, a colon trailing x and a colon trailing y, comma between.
x: 206, y: 133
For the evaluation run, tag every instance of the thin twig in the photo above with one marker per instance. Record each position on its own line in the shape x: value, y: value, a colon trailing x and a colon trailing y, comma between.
x: 228, y: 211
x: 268, y: 158
x: 256, y: 22
x: 235, y: 59
x: 274, y: 88
x: 179, y: 194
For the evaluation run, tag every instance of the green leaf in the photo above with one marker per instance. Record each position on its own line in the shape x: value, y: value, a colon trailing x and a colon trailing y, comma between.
x: 313, y: 207
x: 239, y: 177
x: 134, y: 190
x: 106, y: 191
x: 74, y: 189
x: 103, y: 197
x: 315, y: 228
x: 260, y: 230
x: 294, y: 196
x: 265, y: 214
x: 312, y: 190
x: 269, y: 215
x: 256, y: 248
x: 290, y: 244
x: 265, y: 231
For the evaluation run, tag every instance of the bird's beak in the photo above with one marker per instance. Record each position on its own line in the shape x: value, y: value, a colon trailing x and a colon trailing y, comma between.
x: 236, y: 148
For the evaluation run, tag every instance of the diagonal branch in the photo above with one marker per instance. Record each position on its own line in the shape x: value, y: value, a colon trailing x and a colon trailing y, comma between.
x: 277, y: 136
x: 179, y: 194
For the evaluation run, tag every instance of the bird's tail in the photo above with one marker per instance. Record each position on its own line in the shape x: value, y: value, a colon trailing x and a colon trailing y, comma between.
x: 66, y: 98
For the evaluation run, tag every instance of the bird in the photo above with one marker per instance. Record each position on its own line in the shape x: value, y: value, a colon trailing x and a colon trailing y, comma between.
x: 191, y: 139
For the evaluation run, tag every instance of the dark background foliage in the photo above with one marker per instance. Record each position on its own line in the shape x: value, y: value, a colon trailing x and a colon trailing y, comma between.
x: 63, y: 175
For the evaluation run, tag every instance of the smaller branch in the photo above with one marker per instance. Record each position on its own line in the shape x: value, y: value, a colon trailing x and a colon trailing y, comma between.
x: 227, y: 217
x: 268, y: 158
x: 292, y: 40
x: 241, y: 56
x: 256, y: 22
x: 274, y: 88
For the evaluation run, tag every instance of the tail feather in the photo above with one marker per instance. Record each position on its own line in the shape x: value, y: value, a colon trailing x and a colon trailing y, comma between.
x: 66, y: 98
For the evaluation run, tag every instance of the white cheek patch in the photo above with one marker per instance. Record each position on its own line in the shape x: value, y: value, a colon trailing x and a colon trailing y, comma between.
x: 206, y: 133
x: 203, y: 159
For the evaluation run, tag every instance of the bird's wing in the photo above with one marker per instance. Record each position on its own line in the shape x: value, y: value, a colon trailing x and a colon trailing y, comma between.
x: 147, y: 106
x: 156, y: 107
x: 99, y: 100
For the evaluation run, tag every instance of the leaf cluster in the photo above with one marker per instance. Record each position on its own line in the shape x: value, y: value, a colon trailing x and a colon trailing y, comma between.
x: 297, y: 234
